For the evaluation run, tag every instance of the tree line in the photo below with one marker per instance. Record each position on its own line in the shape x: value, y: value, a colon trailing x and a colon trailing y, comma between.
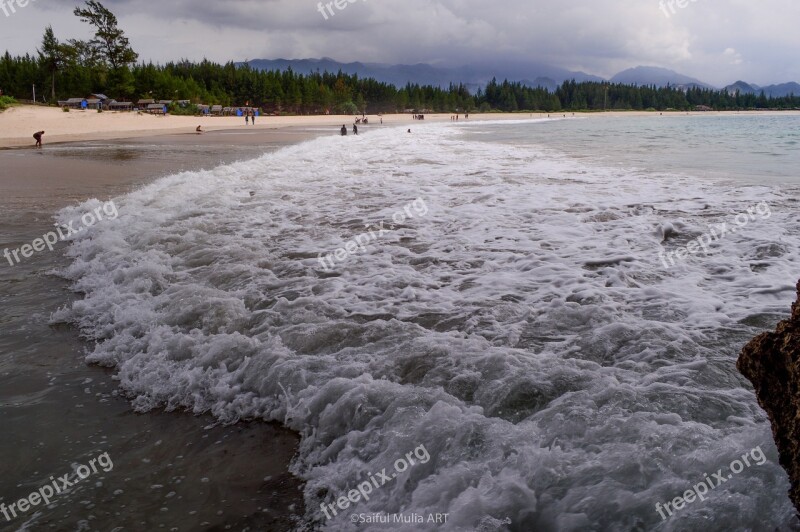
x: 107, y: 64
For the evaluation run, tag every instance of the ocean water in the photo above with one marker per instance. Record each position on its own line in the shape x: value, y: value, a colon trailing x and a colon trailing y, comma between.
x: 746, y: 147
x: 503, y: 297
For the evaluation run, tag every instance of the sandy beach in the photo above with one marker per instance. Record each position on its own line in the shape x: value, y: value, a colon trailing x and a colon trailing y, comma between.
x: 18, y: 123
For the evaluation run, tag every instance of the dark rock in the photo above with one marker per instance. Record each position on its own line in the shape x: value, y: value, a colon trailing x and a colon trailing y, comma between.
x: 771, y: 361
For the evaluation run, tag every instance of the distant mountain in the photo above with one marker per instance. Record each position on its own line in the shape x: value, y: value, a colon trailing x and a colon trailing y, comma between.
x: 775, y: 91
x: 546, y: 83
x: 473, y: 76
x: 741, y: 87
x: 783, y: 89
x: 530, y: 74
x: 660, y: 77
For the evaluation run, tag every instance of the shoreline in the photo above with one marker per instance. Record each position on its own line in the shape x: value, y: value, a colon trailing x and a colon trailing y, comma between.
x: 207, y: 475
x: 63, y: 173
x: 61, y: 140
x: 168, y: 464
x: 87, y: 126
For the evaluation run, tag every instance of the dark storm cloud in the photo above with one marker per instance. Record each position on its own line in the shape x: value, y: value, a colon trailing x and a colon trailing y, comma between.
x: 712, y: 40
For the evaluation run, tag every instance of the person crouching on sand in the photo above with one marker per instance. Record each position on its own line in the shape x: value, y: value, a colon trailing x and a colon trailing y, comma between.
x: 199, y: 130
x: 38, y: 137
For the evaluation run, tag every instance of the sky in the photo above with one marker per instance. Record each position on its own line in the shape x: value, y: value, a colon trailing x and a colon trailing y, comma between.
x: 716, y: 41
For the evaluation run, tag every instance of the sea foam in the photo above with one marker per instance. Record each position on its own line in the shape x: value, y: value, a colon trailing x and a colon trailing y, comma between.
x: 524, y: 330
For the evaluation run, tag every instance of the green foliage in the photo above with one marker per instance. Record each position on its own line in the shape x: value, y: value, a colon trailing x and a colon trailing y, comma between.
x: 594, y: 96
x: 121, y: 82
x: 319, y: 93
x: 109, y: 52
x: 361, y: 103
x: 346, y: 108
x: 6, y: 102
x: 109, y: 41
x: 188, y: 110
x: 55, y: 57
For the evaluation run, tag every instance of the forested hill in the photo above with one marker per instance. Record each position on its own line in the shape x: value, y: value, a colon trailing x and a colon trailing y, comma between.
x: 288, y: 92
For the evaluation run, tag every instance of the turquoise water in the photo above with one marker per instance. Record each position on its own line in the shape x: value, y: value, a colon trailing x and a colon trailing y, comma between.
x: 748, y: 148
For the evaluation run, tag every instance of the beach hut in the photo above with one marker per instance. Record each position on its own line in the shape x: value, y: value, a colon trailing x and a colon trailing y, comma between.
x: 73, y: 103
x: 143, y: 103
x: 120, y: 106
x: 216, y: 110
x: 101, y: 99
x: 94, y: 103
x: 157, y: 109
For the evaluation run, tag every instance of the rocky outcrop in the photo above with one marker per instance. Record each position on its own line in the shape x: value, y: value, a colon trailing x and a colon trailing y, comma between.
x: 772, y: 363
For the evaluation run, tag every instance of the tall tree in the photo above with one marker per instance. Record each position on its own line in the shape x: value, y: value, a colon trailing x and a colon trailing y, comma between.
x: 361, y: 103
x: 85, y: 53
x: 55, y: 56
x: 109, y: 40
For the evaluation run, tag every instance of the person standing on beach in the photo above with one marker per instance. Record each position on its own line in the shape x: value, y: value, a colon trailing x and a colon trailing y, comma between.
x: 344, y: 130
x: 247, y: 118
x: 355, y: 129
x: 253, y: 116
x: 38, y: 137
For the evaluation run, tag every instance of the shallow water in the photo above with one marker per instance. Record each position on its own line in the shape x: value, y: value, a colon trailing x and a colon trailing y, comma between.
x: 748, y: 147
x: 170, y: 471
x: 506, y: 305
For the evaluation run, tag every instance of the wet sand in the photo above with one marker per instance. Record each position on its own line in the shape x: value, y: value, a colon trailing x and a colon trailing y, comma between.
x: 171, y: 471
x: 78, y: 170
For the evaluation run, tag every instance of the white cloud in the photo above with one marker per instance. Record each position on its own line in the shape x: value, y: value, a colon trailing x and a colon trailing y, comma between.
x: 732, y: 56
